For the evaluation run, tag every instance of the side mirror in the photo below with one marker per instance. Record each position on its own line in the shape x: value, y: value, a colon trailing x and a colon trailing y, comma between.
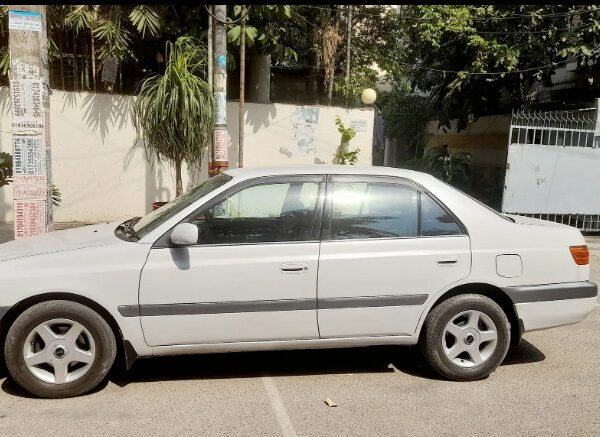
x: 184, y: 234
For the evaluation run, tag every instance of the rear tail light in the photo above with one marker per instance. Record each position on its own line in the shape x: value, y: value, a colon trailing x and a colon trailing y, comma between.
x: 581, y: 255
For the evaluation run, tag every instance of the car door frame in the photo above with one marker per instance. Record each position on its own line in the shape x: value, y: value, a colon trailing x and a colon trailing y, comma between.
x: 416, y: 301
x: 266, y: 305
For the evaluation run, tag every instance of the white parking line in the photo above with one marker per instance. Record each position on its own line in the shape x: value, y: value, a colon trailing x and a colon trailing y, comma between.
x: 287, y: 429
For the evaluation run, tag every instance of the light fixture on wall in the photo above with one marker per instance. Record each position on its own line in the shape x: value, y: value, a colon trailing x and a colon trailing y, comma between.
x: 368, y: 96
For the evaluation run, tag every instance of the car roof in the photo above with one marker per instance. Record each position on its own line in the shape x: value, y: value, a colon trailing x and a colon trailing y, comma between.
x: 253, y: 172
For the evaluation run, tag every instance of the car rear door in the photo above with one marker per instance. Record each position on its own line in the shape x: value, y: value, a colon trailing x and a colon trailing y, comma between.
x: 251, y: 277
x: 387, y: 246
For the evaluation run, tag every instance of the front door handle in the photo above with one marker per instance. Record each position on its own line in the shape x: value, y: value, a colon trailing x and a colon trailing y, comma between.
x: 447, y: 260
x: 293, y: 268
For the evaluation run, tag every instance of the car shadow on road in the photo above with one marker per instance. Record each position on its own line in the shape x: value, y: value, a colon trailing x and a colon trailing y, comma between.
x: 376, y: 359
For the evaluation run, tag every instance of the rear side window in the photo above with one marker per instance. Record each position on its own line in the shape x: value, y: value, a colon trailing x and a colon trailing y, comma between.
x: 363, y: 210
x: 435, y: 220
x: 373, y: 210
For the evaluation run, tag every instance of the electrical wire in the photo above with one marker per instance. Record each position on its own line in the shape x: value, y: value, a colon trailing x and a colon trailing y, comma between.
x: 512, y: 17
x: 494, y: 73
x: 484, y: 32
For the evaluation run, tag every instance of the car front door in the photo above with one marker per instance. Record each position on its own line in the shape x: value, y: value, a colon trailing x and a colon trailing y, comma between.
x: 251, y: 277
x: 387, y: 245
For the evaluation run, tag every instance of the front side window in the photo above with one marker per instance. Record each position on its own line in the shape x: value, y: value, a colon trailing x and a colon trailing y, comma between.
x: 361, y: 210
x: 271, y: 212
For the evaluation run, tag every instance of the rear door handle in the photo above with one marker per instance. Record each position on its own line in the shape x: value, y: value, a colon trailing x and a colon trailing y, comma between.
x: 293, y: 268
x: 447, y: 260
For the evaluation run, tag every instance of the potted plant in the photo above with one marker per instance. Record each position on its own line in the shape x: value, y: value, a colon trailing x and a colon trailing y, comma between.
x: 173, y: 112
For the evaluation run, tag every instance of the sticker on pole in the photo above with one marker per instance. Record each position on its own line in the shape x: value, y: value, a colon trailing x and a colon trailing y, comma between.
x: 29, y: 218
x: 25, y: 20
x: 29, y: 155
x: 29, y: 105
x: 221, y: 143
x: 220, y: 108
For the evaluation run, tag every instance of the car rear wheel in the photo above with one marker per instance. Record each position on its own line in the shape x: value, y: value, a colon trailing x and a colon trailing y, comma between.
x: 59, y: 349
x: 466, y: 337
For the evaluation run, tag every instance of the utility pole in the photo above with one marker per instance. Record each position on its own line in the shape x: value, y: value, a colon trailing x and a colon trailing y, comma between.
x: 221, y: 137
x: 348, y: 52
x: 30, y: 89
x: 241, y: 122
x: 209, y: 38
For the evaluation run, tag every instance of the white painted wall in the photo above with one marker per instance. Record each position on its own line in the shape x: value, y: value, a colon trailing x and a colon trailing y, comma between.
x: 103, y: 175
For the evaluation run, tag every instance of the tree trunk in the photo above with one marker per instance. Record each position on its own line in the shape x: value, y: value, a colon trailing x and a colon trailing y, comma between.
x: 178, y: 181
x: 93, y: 50
x: 336, y: 27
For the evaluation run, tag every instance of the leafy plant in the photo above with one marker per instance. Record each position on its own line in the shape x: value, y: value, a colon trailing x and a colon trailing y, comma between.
x: 266, y: 27
x: 343, y: 155
x: 114, y: 26
x: 173, y: 112
x: 6, y: 169
x: 453, y: 168
x: 55, y: 195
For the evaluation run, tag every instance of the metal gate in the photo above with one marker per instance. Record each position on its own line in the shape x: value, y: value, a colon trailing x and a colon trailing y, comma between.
x: 553, y: 167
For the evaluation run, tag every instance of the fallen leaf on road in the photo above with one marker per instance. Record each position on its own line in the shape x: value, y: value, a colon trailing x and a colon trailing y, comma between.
x: 330, y: 403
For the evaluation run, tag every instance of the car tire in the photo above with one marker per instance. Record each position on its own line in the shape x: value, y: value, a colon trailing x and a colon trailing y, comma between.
x: 457, y: 339
x: 71, y: 364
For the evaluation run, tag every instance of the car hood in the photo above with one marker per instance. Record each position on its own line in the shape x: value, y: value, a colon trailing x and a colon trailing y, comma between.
x: 59, y: 241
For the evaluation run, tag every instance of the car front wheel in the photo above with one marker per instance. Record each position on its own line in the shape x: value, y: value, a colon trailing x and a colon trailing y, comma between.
x: 466, y: 337
x: 59, y: 349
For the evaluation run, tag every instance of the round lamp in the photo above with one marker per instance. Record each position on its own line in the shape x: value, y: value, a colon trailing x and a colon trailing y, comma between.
x: 368, y: 96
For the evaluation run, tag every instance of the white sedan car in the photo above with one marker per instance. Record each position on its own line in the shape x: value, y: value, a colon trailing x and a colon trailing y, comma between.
x: 289, y: 258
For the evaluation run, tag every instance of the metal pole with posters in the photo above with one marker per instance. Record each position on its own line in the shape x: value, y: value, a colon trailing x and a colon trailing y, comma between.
x: 221, y: 137
x: 30, y: 89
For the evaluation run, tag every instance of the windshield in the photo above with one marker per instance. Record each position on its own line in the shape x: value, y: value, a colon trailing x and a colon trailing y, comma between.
x: 151, y: 221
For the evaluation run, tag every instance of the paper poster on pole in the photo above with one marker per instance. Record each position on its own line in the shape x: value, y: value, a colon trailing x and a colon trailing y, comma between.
x: 29, y: 155
x: 29, y: 217
x: 25, y: 20
x: 30, y: 191
x: 221, y: 144
x: 29, y: 99
x: 220, y: 108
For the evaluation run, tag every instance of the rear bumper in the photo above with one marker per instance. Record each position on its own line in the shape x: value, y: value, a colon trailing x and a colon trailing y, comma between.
x: 547, y: 306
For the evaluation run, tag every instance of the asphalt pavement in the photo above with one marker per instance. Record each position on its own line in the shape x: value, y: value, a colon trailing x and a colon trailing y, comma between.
x: 549, y: 385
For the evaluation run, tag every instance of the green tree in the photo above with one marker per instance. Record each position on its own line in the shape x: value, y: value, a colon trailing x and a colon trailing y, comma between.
x: 173, y: 112
x: 114, y: 26
x: 474, y: 59
x: 265, y: 27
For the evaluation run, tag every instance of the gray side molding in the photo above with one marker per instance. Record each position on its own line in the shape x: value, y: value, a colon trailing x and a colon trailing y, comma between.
x: 177, y: 309
x: 550, y: 292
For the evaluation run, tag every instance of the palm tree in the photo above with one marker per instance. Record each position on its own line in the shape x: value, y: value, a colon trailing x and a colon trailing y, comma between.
x: 173, y: 112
